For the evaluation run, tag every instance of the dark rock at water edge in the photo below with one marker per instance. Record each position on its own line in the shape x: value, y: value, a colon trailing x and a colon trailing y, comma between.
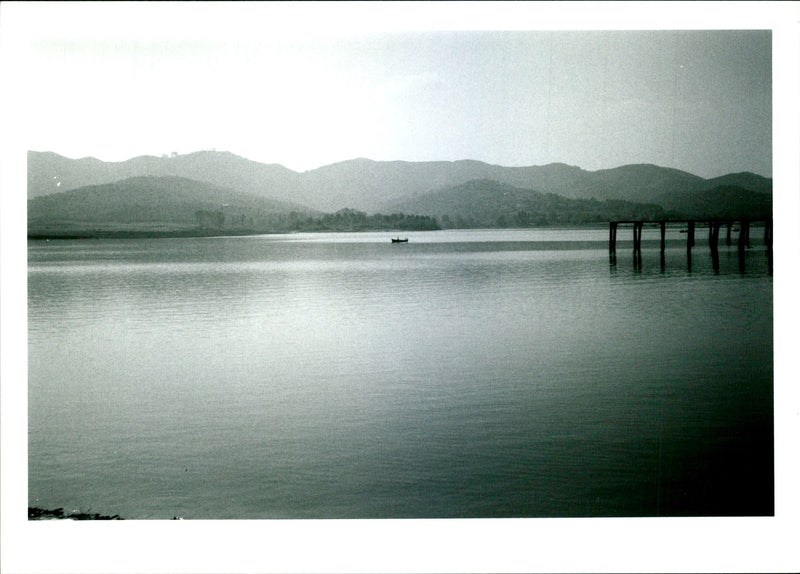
x: 35, y: 513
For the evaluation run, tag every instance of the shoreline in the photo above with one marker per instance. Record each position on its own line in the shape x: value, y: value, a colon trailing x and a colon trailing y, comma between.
x: 35, y: 513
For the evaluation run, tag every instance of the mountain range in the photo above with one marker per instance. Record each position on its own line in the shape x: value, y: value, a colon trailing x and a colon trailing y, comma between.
x: 154, y: 204
x: 177, y: 188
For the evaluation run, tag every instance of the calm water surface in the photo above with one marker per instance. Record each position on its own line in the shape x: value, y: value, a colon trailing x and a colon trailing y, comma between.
x: 464, y: 374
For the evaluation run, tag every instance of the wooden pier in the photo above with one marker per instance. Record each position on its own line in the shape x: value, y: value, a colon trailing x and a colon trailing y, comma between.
x: 714, y: 226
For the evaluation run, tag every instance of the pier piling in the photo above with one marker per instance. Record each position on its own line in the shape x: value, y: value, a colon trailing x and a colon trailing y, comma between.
x: 768, y: 233
x: 713, y: 235
x: 637, y: 235
x: 744, y: 234
x: 612, y: 237
x: 714, y: 226
x: 713, y: 243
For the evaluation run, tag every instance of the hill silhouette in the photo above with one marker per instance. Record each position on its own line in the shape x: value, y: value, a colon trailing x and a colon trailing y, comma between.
x: 50, y: 173
x: 423, y: 188
x: 488, y: 203
x: 155, y: 204
x: 374, y: 185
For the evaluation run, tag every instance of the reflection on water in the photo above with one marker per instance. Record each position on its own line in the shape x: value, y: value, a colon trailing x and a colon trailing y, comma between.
x: 472, y: 374
x: 751, y: 262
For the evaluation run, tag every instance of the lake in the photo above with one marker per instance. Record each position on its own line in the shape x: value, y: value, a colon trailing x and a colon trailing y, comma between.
x: 469, y: 373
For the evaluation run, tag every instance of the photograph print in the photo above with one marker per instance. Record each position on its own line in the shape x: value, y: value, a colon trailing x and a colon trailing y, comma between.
x: 406, y: 274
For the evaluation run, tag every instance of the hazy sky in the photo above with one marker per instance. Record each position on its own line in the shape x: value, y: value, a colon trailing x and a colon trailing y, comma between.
x: 305, y: 96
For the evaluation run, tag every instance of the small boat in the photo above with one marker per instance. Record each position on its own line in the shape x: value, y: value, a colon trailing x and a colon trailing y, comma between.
x: 398, y: 240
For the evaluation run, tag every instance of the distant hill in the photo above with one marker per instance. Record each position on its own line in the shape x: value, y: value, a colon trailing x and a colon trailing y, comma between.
x: 744, y: 180
x: 155, y: 204
x: 640, y: 181
x: 377, y: 185
x: 51, y: 173
x: 488, y: 203
x: 720, y: 201
x: 372, y: 185
x: 381, y: 186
